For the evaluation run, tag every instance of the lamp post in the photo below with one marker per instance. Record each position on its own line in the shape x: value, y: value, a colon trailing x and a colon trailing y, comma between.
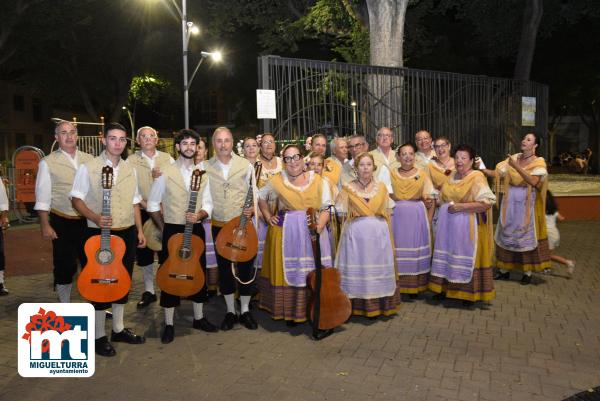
x: 131, y: 125
x: 187, y: 29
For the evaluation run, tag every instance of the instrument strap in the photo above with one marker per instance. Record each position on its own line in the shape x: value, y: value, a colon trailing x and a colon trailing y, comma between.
x: 240, y: 280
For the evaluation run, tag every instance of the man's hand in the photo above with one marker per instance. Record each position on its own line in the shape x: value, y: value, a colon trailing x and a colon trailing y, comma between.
x: 156, y: 172
x: 48, y: 232
x: 103, y: 221
x: 249, y: 212
x: 141, y: 240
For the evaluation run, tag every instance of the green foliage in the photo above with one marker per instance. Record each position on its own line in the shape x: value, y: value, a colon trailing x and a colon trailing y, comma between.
x: 147, y: 89
x: 330, y: 20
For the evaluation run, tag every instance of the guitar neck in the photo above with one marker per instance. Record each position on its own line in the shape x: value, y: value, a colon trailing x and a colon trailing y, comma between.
x: 189, y: 227
x: 247, y: 203
x: 105, y: 232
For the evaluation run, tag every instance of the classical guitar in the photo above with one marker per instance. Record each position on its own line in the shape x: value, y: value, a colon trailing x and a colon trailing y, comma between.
x: 330, y: 306
x: 181, y: 274
x: 104, y: 278
x: 237, y: 241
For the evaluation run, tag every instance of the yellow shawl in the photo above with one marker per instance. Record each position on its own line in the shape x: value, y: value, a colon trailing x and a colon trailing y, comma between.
x: 358, y: 207
x: 466, y: 190
x: 290, y: 198
x: 408, y: 188
x: 512, y: 177
x: 437, y: 174
x: 332, y: 169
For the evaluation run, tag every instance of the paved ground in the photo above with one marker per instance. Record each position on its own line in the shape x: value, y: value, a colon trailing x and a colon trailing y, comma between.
x: 540, y: 342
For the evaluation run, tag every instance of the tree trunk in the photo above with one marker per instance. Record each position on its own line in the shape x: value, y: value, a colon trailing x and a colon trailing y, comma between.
x: 386, y: 33
x: 532, y: 17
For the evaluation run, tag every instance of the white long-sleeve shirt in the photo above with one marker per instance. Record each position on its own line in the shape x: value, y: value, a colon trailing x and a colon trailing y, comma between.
x: 43, y: 182
x: 81, y: 183
x: 3, y: 197
x: 159, y: 188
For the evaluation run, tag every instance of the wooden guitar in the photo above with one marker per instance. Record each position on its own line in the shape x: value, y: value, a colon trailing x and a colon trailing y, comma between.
x: 104, y: 278
x: 237, y: 241
x: 181, y: 274
x: 330, y: 306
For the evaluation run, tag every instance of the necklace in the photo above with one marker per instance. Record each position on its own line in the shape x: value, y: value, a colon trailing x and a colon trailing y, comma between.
x: 459, y: 176
x: 293, y: 177
x: 526, y: 157
x: 266, y: 159
x: 403, y: 169
x: 364, y: 186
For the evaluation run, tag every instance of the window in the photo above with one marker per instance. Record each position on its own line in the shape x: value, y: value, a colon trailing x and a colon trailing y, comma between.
x: 36, y: 106
x: 18, y: 103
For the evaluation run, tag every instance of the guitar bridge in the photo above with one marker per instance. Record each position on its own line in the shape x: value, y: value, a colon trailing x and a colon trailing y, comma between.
x: 180, y: 276
x: 238, y: 247
x: 105, y: 281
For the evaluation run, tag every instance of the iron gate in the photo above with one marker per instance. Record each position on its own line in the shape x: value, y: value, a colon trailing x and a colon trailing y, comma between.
x: 316, y: 96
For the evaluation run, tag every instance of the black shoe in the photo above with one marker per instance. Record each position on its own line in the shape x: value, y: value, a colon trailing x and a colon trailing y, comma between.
x: 526, y: 280
x: 104, y: 347
x: 127, y: 336
x: 291, y: 323
x: 318, y: 335
x: 229, y: 321
x: 248, y: 321
x: 204, y: 325
x: 147, y: 299
x: 502, y: 276
x: 108, y: 314
x: 3, y: 290
x: 168, y: 334
x: 468, y: 304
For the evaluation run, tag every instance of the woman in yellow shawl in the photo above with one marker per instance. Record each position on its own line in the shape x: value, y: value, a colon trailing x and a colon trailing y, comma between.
x: 521, y: 237
x: 461, y: 266
x: 288, y: 255
x: 410, y: 222
x: 365, y: 257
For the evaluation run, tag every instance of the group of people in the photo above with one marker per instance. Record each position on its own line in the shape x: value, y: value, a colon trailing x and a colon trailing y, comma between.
x: 394, y: 222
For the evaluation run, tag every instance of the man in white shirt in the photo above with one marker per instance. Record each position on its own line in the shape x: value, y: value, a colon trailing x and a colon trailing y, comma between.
x: 384, y: 154
x: 230, y: 178
x: 357, y: 144
x: 148, y: 163
x: 172, y: 189
x: 59, y: 222
x: 3, y: 226
x: 425, y: 149
x: 124, y: 221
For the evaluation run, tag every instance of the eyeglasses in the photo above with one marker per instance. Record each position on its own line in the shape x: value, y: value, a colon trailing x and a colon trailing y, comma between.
x: 443, y: 145
x: 267, y: 142
x: 72, y: 133
x: 384, y: 135
x: 419, y: 140
x: 358, y: 145
x: 289, y: 159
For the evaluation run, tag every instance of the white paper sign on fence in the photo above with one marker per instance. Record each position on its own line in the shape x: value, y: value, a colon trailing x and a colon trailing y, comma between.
x: 265, y: 104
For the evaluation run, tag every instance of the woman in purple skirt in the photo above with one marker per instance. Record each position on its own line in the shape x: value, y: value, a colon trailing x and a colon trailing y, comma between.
x: 365, y: 255
x: 461, y: 267
x: 411, y: 222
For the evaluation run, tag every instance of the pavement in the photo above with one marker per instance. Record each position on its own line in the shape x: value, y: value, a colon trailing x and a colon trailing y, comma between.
x: 532, y: 343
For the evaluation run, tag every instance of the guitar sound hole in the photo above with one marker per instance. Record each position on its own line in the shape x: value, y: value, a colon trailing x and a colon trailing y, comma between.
x: 104, y: 256
x: 185, y: 253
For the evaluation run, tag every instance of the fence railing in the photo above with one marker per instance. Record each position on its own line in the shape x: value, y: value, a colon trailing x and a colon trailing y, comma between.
x: 316, y: 96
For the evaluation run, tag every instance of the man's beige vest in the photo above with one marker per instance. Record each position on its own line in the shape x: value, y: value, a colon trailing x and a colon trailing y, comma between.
x: 144, y: 173
x: 62, y: 175
x: 122, y: 192
x: 381, y: 160
x: 348, y: 173
x: 228, y: 195
x: 176, y: 198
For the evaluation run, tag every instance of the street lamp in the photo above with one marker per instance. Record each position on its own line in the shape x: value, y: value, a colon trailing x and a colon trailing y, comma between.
x: 124, y: 108
x: 187, y: 29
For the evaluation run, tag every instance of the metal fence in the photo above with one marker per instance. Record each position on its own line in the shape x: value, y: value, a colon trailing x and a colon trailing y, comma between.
x: 316, y: 96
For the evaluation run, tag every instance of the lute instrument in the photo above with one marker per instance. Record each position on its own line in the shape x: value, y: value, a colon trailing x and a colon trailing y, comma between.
x: 237, y: 240
x: 330, y: 307
x: 181, y: 274
x: 104, y: 278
